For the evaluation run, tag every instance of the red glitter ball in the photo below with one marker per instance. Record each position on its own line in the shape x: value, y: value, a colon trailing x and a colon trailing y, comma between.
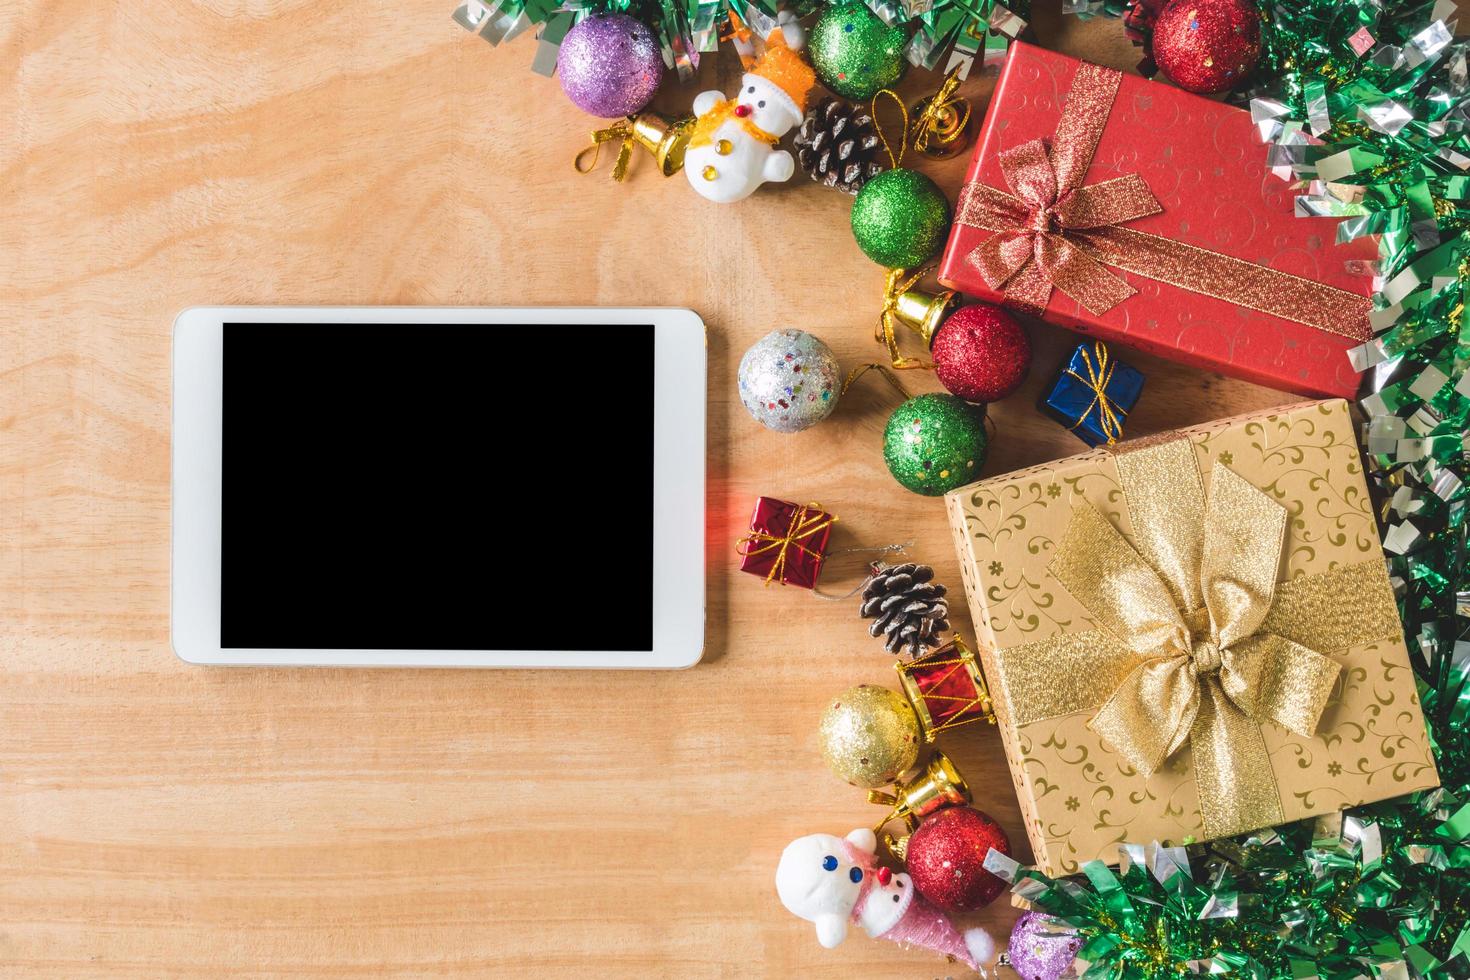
x: 946, y: 858
x: 1208, y: 45
x: 981, y: 353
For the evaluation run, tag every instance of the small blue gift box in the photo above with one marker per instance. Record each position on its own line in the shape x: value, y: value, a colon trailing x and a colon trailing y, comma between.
x: 1093, y: 394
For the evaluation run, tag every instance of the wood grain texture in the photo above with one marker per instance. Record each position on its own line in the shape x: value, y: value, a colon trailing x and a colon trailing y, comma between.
x: 159, y: 820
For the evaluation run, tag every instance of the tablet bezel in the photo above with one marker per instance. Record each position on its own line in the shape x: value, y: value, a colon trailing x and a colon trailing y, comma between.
x: 678, y: 488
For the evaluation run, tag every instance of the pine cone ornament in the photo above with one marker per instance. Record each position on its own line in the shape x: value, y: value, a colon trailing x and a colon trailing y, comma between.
x: 907, y: 607
x: 838, y: 145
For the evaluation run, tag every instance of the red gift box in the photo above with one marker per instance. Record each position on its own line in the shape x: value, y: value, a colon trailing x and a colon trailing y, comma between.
x: 786, y: 543
x: 1144, y: 215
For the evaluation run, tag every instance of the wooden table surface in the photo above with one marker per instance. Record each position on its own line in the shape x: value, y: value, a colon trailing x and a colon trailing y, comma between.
x: 162, y: 820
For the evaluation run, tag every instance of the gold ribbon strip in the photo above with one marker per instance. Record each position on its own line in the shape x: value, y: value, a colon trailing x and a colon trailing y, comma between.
x: 1053, y: 231
x: 1099, y: 376
x: 803, y: 525
x: 1196, y: 642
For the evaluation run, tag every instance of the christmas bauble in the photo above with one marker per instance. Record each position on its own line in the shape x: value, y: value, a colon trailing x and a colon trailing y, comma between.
x: 946, y: 858
x: 934, y: 443
x: 981, y: 353
x: 610, y: 65
x: 870, y: 736
x: 900, y: 218
x: 789, y: 380
x: 854, y: 52
x: 1208, y: 45
x: 1042, y: 947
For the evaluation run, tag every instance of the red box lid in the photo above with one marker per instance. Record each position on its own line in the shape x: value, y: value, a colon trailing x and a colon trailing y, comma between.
x: 1206, y: 166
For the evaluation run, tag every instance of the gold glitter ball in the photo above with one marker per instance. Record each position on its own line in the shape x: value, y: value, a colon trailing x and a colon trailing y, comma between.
x: 723, y: 148
x: 710, y: 173
x: 869, y: 736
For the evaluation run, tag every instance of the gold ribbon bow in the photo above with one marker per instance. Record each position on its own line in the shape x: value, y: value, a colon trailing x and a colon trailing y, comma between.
x: 804, y: 523
x: 1099, y: 376
x: 622, y: 131
x: 941, y: 117
x: 899, y: 282
x: 1053, y: 231
x: 1197, y: 643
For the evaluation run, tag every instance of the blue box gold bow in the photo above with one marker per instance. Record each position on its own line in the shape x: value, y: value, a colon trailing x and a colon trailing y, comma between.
x: 1093, y: 394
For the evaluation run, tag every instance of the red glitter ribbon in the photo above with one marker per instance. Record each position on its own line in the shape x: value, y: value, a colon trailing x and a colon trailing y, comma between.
x: 1055, y: 232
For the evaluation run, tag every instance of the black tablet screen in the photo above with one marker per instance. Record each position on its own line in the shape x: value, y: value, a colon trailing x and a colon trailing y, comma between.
x: 437, y: 487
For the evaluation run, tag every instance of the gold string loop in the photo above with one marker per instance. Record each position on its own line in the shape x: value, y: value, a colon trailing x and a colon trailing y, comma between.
x: 888, y: 376
x: 893, y: 161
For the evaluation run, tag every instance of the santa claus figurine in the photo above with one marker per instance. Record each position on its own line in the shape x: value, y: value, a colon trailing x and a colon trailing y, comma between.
x: 834, y: 881
x: 733, y: 149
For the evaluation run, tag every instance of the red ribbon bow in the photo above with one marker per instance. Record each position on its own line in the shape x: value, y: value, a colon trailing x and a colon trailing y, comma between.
x: 1047, y: 224
x: 1042, y: 232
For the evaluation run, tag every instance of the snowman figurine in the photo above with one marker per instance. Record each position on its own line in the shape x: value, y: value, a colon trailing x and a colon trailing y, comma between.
x: 834, y: 881
x: 733, y: 149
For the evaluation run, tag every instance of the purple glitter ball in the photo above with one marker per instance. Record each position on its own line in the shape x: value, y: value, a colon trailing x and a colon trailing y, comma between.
x: 1042, y: 948
x: 610, y: 65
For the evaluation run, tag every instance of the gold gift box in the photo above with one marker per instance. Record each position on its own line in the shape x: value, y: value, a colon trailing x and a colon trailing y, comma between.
x: 1079, y: 796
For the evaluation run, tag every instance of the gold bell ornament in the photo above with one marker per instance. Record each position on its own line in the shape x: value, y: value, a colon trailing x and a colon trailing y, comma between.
x: 938, y: 784
x: 665, y: 138
x: 908, y: 306
x: 939, y: 126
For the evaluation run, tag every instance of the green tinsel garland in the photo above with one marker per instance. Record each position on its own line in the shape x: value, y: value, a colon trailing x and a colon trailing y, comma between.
x: 965, y: 29
x: 1383, y: 890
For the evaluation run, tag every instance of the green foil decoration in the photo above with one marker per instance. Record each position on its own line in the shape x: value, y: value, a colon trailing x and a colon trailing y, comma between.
x: 1366, y: 105
x: 962, y: 29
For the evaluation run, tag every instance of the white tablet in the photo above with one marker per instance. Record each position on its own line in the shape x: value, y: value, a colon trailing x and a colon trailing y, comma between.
x: 438, y: 487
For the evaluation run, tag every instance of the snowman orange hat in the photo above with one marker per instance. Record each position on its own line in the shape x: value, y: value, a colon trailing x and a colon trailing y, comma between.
x: 784, y: 73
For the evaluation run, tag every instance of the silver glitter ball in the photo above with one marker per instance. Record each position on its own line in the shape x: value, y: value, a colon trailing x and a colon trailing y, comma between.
x: 789, y: 380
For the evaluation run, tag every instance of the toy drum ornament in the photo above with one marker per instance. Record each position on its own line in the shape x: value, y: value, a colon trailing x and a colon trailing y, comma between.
x: 946, y: 689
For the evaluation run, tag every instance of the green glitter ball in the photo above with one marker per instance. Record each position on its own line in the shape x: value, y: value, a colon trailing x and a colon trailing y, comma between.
x: 900, y: 219
x: 854, y: 52
x: 934, y: 443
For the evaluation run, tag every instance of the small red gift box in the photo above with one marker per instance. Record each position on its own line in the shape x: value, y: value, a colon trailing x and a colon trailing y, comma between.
x: 1141, y: 214
x: 786, y: 543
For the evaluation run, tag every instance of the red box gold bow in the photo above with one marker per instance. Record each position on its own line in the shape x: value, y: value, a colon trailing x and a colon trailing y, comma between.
x: 1145, y: 215
x: 786, y: 543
